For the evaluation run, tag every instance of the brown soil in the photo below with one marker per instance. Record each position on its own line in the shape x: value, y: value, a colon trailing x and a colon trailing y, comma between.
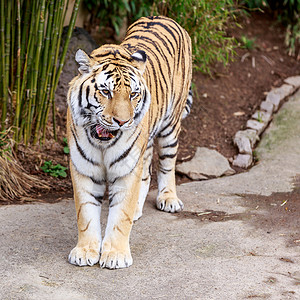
x: 240, y: 87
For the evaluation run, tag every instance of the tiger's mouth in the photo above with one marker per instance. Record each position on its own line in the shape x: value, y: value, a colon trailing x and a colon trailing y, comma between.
x: 102, y: 133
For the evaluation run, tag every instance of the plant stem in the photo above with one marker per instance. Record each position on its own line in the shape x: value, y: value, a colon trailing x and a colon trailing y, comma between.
x: 3, y: 71
x: 18, y: 75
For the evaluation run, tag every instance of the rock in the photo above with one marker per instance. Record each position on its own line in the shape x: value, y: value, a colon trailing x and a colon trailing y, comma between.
x: 262, y: 116
x: 273, y: 99
x: 294, y: 81
x: 267, y: 106
x: 259, y: 127
x: 277, y: 95
x: 245, y: 140
x: 205, y: 164
x: 243, y: 161
x: 80, y: 40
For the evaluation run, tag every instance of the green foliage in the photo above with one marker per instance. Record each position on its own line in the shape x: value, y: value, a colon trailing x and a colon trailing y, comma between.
x: 247, y: 43
x: 112, y: 13
x: 66, y: 147
x: 54, y: 170
x: 30, y: 64
x: 205, y: 20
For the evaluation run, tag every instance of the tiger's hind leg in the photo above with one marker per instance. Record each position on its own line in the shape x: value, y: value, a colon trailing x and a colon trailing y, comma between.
x: 145, y: 184
x: 167, y: 199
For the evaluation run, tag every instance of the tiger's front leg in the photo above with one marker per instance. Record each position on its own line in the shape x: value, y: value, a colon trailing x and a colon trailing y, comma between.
x: 88, y: 199
x: 123, y: 198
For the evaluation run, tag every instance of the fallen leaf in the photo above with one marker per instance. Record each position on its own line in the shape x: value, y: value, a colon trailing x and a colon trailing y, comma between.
x: 239, y: 113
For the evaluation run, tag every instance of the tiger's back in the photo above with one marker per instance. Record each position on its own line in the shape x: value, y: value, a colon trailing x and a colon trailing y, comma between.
x: 169, y: 69
x: 125, y: 96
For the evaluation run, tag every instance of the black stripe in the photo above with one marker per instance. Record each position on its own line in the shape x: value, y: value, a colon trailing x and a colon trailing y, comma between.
x: 80, y: 93
x: 162, y: 157
x: 164, y: 91
x: 168, y: 133
x: 171, y: 145
x: 111, y: 182
x: 156, y: 45
x: 160, y: 36
x: 87, y: 132
x: 97, y: 198
x: 125, y: 153
x: 111, y: 197
x: 142, y: 108
x: 164, y: 170
x: 112, y: 52
x: 80, y: 150
x: 97, y: 181
x: 147, y: 25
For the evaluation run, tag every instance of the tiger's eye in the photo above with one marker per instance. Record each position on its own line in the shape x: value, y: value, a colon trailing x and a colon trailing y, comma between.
x: 133, y: 94
x: 105, y: 93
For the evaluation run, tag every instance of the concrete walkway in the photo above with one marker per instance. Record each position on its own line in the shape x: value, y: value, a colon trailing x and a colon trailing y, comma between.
x: 238, y: 238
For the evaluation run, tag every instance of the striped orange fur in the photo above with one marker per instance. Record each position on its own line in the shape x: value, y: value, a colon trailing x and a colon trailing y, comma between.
x: 125, y: 96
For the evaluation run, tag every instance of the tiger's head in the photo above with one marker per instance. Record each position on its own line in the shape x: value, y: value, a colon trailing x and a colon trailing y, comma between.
x: 110, y: 94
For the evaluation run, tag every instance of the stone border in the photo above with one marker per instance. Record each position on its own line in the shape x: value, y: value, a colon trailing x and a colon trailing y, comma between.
x: 245, y: 140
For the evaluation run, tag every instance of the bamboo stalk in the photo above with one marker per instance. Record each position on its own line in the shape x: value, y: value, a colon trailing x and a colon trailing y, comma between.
x: 30, y: 38
x: 25, y: 28
x: 56, y: 38
x: 28, y: 72
x: 66, y: 45
x: 37, y: 43
x: 3, y: 73
x: 8, y: 42
x: 62, y: 60
x: 55, y: 56
x: 18, y: 75
x: 42, y: 93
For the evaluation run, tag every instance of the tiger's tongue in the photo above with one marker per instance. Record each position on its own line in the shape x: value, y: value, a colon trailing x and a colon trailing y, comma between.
x: 101, y: 131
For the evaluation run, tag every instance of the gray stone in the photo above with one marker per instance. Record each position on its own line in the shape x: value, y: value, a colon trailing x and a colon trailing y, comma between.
x: 267, y: 106
x: 259, y: 127
x: 205, y: 164
x: 274, y: 99
x: 278, y: 94
x: 294, y: 81
x: 262, y: 116
x: 245, y: 140
x: 243, y: 161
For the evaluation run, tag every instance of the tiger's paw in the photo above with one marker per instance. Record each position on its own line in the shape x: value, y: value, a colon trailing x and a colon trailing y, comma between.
x: 169, y: 204
x: 115, y: 260
x: 83, y: 256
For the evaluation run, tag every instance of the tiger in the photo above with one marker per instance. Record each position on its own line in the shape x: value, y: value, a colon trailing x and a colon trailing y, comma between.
x: 123, y: 98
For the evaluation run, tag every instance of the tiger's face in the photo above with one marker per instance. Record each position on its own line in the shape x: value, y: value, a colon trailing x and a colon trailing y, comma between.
x: 111, y: 94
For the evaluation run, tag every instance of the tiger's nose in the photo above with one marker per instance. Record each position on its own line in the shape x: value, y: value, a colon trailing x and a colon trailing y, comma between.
x: 120, y: 122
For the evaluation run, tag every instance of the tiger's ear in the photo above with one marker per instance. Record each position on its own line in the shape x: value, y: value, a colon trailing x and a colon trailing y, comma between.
x: 85, y: 63
x: 139, y: 60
